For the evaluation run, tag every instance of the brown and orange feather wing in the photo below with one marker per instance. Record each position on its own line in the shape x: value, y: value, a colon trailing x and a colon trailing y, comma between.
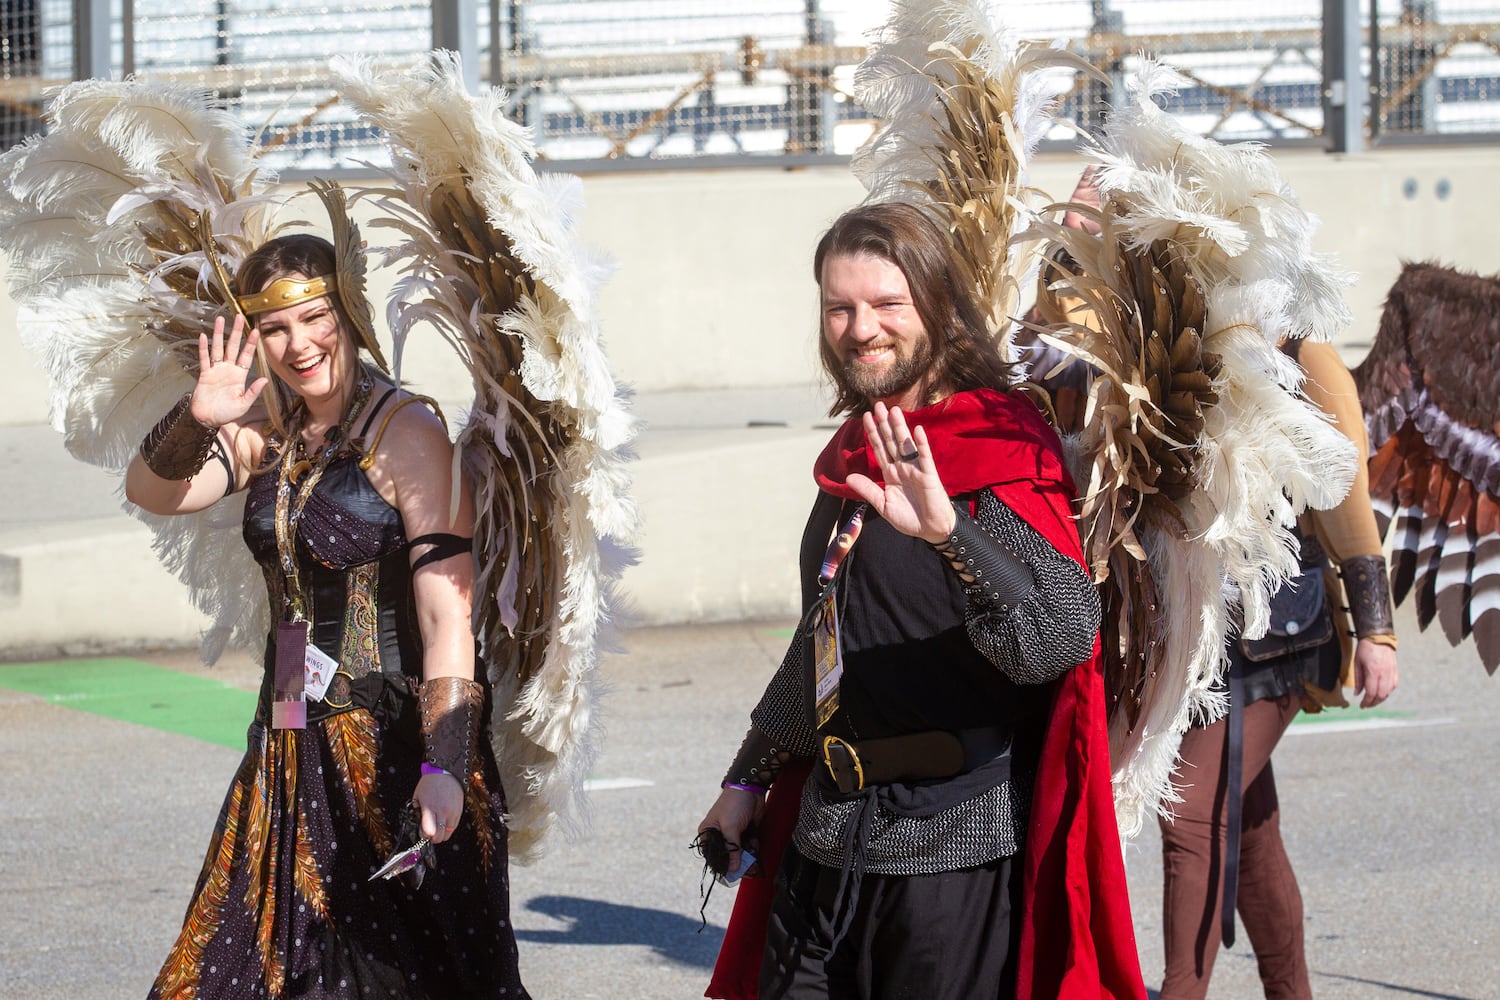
x: 1430, y: 388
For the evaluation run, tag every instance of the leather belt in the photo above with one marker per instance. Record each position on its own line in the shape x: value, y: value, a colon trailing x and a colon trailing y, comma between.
x: 375, y: 691
x: 931, y: 754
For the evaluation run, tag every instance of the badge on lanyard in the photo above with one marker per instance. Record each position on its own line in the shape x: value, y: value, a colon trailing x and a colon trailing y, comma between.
x: 828, y: 662
x: 288, y: 710
x: 828, y: 659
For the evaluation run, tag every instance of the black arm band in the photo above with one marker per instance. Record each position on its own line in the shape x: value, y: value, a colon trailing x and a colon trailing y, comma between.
x: 1369, y: 592
x: 979, y: 558
x: 444, y: 546
x: 756, y: 764
x: 221, y: 455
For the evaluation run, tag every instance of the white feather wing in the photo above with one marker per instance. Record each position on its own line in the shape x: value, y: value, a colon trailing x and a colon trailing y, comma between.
x: 95, y: 217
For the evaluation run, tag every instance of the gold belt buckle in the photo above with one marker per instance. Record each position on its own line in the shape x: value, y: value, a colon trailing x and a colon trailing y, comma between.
x: 841, y: 778
x: 340, y: 672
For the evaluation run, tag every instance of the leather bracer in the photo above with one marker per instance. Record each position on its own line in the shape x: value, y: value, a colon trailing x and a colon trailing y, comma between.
x: 978, y: 557
x: 758, y: 761
x: 178, y: 446
x: 451, y: 708
x: 1369, y: 592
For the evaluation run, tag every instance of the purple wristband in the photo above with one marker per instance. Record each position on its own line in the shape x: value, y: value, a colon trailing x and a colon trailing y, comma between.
x: 758, y: 790
x: 431, y: 769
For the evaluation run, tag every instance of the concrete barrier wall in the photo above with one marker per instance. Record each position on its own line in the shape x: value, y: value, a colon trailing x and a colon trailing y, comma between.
x: 714, y: 290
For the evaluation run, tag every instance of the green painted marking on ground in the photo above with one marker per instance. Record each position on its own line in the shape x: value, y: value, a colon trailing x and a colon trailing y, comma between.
x: 132, y: 691
x: 1349, y: 714
x: 781, y: 633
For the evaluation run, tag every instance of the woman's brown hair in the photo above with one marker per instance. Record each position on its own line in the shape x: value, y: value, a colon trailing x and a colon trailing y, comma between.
x: 300, y: 253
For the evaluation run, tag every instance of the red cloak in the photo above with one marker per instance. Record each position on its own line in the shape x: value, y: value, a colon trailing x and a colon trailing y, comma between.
x: 1077, y: 940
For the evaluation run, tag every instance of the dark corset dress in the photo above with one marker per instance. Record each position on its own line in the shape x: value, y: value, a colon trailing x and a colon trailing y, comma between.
x: 284, y: 906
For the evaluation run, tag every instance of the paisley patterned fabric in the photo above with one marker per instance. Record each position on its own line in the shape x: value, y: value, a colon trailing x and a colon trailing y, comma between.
x: 284, y: 906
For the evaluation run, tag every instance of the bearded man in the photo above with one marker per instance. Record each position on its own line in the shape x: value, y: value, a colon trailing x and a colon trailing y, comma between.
x: 954, y: 836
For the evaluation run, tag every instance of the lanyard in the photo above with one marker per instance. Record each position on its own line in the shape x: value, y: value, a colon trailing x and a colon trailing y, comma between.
x: 289, y: 508
x: 840, y: 545
x: 288, y: 709
x: 828, y: 658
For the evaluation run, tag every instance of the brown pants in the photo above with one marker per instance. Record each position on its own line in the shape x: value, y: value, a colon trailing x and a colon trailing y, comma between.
x: 1192, y: 847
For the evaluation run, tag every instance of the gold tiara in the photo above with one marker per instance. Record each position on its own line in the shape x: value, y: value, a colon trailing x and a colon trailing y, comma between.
x: 285, y: 292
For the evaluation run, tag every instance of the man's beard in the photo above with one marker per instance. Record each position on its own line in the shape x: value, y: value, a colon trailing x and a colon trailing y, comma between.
x: 893, y: 380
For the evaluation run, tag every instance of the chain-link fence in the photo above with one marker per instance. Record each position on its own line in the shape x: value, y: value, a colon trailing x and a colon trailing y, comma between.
x: 698, y: 81
x: 673, y: 78
x: 1436, y: 68
x: 28, y: 46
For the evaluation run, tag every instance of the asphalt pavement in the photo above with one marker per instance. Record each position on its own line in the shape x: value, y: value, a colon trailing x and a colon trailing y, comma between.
x: 1390, y: 819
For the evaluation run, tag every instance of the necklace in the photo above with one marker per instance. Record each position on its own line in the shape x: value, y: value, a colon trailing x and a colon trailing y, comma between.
x: 297, y: 475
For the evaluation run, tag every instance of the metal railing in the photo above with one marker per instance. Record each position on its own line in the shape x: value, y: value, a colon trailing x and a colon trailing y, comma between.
x: 707, y: 81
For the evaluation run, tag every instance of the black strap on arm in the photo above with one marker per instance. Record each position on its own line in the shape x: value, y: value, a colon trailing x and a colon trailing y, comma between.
x: 980, y: 559
x: 444, y: 546
x: 221, y: 454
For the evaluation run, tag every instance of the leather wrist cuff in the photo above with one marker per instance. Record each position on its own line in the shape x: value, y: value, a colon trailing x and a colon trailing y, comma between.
x: 451, y: 708
x: 1369, y: 592
x: 178, y: 446
x: 757, y: 762
x: 997, y: 572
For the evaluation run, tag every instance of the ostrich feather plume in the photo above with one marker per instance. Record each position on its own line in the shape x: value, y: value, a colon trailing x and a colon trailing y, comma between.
x: 1192, y: 449
x: 489, y: 259
x: 99, y: 218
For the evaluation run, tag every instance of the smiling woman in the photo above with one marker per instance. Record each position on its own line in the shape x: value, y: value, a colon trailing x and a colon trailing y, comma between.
x: 371, y: 701
x: 398, y: 623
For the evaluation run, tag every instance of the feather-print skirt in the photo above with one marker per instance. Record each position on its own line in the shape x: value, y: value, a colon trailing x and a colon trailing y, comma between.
x: 284, y: 906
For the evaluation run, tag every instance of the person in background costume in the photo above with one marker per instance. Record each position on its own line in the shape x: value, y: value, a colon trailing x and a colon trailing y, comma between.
x: 366, y: 555
x: 956, y: 835
x: 1304, y: 660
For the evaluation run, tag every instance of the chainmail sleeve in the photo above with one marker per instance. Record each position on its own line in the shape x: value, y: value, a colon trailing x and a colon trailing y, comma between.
x: 782, y: 711
x: 1054, y: 627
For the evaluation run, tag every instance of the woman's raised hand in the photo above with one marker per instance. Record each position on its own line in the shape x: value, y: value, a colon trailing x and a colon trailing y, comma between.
x: 914, y: 501
x: 221, y: 395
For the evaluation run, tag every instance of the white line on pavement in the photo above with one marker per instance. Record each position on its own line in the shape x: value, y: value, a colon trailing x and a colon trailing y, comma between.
x: 1356, y: 725
x: 613, y: 784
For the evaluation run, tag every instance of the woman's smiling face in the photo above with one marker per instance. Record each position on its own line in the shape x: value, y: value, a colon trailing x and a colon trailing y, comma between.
x: 307, y: 348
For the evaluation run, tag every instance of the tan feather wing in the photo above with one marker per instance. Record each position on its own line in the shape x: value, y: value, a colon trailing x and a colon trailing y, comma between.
x: 491, y: 262
x: 1135, y: 317
x: 963, y: 102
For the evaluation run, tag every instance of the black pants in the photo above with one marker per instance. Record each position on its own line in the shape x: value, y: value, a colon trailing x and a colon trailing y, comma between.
x: 949, y: 936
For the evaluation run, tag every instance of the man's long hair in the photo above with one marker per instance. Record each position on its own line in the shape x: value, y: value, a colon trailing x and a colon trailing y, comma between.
x: 964, y: 355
